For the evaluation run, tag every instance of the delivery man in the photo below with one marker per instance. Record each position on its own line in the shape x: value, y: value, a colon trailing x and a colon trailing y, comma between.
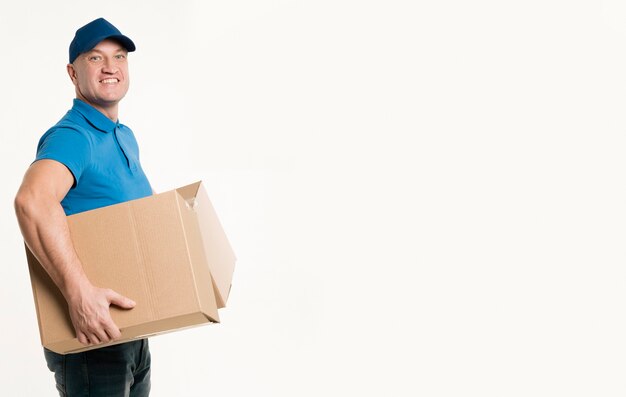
x: 86, y: 161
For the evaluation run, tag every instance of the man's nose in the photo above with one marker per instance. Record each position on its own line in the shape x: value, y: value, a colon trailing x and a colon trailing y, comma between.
x: 109, y: 66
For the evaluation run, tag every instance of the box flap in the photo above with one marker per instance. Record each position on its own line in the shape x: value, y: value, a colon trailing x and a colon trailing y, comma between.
x: 205, y: 291
x: 190, y: 191
x: 219, y: 253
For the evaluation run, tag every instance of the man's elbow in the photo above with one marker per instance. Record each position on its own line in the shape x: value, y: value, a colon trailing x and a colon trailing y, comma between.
x: 22, y: 204
x: 28, y: 204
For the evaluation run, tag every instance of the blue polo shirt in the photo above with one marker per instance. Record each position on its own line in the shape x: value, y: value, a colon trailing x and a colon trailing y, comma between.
x: 103, y: 157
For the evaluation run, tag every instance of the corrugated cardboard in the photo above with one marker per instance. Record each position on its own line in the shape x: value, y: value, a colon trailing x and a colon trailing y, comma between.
x: 167, y: 252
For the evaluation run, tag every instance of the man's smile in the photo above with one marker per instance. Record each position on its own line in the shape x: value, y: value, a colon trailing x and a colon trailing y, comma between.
x: 110, y: 81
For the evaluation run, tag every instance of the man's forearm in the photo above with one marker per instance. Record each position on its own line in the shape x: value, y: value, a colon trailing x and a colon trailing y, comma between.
x: 45, y: 231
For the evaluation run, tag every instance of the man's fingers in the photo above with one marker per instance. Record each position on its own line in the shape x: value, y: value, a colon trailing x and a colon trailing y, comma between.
x: 120, y: 300
x: 94, y: 339
x: 99, y: 336
x: 102, y: 336
x: 82, y: 338
x: 111, y: 330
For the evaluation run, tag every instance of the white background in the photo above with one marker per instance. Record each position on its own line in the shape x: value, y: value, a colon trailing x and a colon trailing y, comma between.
x: 427, y: 198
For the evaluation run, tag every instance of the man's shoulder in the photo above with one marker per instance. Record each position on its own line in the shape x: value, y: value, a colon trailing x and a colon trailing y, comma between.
x: 72, y: 121
x: 64, y: 127
x: 68, y: 127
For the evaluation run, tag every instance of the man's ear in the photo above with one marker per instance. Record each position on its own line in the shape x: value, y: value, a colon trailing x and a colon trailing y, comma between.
x: 72, y: 73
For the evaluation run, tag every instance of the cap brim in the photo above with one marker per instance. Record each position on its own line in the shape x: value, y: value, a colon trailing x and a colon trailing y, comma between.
x: 123, y: 40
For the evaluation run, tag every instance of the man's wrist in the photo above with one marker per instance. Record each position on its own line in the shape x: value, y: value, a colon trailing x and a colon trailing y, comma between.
x: 74, y: 287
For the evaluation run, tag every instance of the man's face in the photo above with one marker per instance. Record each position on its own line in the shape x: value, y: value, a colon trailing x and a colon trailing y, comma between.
x: 101, y: 75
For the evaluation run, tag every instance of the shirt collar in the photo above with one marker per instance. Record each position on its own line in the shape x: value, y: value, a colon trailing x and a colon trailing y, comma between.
x: 94, y: 117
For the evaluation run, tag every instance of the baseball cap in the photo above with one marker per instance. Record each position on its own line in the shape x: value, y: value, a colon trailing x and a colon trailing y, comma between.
x: 94, y: 32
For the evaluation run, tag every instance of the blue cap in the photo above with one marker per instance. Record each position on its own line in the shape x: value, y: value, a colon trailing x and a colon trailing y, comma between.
x: 94, y: 32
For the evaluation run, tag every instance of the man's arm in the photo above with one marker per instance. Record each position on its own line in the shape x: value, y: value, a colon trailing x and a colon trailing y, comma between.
x: 45, y: 230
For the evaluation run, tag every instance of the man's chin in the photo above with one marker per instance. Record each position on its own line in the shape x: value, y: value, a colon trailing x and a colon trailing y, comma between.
x: 109, y: 101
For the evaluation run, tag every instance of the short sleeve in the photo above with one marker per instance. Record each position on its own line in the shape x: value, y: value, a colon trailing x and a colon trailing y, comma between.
x: 68, y: 146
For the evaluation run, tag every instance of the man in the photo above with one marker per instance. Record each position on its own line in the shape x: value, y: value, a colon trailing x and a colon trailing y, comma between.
x: 86, y: 161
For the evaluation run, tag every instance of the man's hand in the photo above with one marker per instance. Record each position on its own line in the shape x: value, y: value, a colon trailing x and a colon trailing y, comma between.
x: 89, y: 311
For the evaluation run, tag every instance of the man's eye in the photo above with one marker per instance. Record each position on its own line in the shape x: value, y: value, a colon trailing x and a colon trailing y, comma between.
x: 120, y: 56
x: 94, y: 58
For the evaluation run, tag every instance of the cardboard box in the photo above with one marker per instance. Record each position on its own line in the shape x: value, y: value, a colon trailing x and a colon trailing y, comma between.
x: 167, y: 252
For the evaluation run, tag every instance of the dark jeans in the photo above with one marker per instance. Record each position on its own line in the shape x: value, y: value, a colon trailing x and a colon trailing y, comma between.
x: 119, y: 370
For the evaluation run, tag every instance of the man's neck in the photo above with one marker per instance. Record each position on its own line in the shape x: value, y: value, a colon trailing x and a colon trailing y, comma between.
x: 110, y: 111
